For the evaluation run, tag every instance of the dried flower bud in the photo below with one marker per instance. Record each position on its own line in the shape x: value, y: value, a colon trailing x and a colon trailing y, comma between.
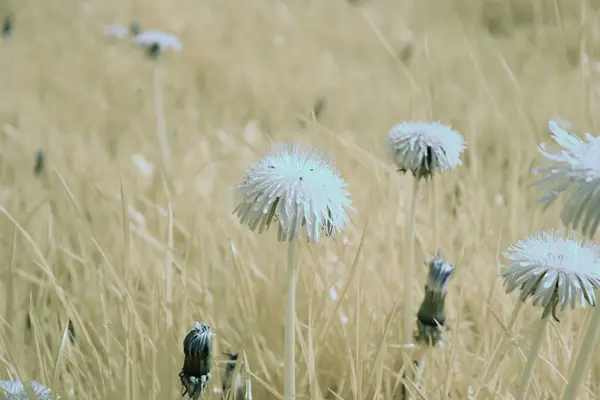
x: 431, y: 316
x: 196, y: 365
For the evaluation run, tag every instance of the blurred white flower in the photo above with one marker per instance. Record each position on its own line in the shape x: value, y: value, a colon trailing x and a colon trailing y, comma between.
x: 115, y: 31
x: 17, y: 390
x: 575, y: 171
x: 157, y: 42
x: 298, y: 188
x: 424, y: 148
x: 553, y: 269
x: 143, y: 165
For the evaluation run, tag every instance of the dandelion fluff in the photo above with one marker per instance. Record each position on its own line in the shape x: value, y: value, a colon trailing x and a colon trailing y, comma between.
x: 299, y: 188
x: 424, y: 148
x: 553, y: 270
x: 573, y: 170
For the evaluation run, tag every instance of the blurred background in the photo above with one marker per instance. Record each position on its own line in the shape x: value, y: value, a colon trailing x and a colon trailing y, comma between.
x: 128, y: 230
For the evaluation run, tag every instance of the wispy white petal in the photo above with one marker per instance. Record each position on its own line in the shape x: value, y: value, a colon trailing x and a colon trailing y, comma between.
x: 573, y: 170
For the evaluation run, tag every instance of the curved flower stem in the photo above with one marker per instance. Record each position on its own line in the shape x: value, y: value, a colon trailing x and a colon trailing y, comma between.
x: 501, y: 348
x: 289, y: 386
x: 586, y: 351
x: 409, y: 278
x: 536, y: 343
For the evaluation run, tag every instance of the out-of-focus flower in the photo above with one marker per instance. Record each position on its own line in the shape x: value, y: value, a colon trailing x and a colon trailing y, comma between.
x: 197, y: 350
x: 157, y: 42
x: 431, y: 316
x: 15, y: 390
x: 553, y: 269
x: 299, y: 189
x: 574, y: 170
x: 115, y: 31
x: 424, y: 148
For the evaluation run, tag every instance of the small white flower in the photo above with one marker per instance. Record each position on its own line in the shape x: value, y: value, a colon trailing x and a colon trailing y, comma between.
x: 553, y: 269
x: 17, y: 390
x: 574, y: 170
x: 424, y: 148
x: 115, y: 31
x: 298, y: 189
x: 158, y: 42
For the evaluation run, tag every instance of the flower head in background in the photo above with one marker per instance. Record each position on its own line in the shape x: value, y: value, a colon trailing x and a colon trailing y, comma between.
x: 197, y: 349
x: 157, y: 42
x: 298, y: 188
x: 431, y: 316
x: 115, y: 31
x: 10, y: 390
x: 574, y: 170
x: 424, y: 148
x: 553, y: 269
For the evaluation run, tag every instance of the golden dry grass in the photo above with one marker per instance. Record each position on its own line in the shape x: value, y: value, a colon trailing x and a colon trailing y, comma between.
x: 73, y: 247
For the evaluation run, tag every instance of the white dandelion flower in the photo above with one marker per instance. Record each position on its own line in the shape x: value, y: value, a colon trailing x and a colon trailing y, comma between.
x: 574, y: 170
x: 156, y: 42
x: 298, y: 188
x: 16, y: 390
x: 553, y: 269
x: 424, y: 148
x: 115, y: 31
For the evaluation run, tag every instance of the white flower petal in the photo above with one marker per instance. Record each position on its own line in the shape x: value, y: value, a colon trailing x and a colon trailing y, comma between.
x: 574, y: 170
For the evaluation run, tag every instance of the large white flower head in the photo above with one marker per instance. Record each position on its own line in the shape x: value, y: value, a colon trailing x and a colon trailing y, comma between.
x: 299, y: 188
x: 553, y: 269
x: 574, y: 170
x: 424, y: 148
x: 16, y: 390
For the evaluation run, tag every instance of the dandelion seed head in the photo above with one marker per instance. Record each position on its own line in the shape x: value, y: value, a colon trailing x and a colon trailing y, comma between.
x: 553, y: 269
x: 573, y: 169
x: 300, y: 189
x: 424, y: 148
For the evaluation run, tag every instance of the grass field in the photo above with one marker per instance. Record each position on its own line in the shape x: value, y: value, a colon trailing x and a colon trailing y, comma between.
x: 133, y: 257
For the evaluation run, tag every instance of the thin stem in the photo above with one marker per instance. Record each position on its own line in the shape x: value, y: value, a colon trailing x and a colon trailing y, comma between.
x: 434, y: 214
x: 421, y: 366
x: 409, y: 278
x: 584, y: 356
x: 289, y: 387
x: 501, y: 348
x: 536, y: 343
